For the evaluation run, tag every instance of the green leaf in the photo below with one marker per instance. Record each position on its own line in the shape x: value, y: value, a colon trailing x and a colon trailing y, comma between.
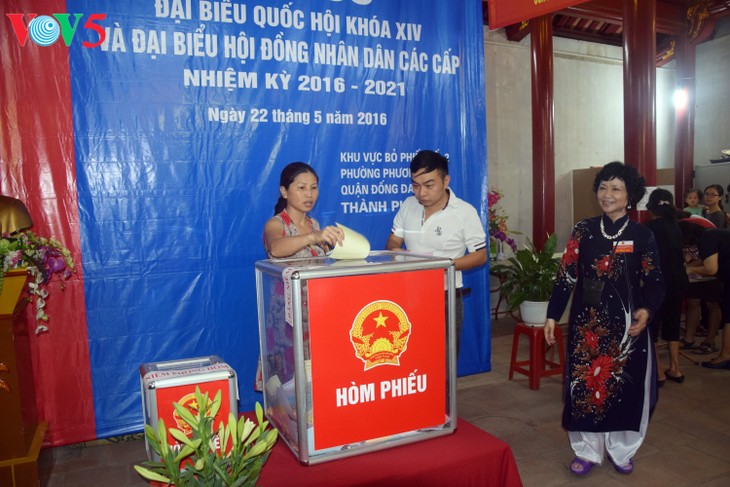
x: 216, y: 405
x: 185, y: 414
x: 150, y: 475
x: 271, y: 436
x: 162, y: 434
x: 245, y: 426
x: 202, y: 400
x: 256, y: 450
x: 184, y: 452
x: 180, y: 436
x: 259, y: 413
x: 221, y: 473
x: 530, y: 274
x: 152, y: 439
x: 253, y: 436
x: 239, y: 482
x: 228, y: 433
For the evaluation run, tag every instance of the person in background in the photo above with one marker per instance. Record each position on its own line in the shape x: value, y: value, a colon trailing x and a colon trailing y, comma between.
x: 669, y: 240
x: 714, y: 252
x: 435, y: 221
x: 713, y: 205
x: 693, y: 199
x: 611, y: 267
x: 703, y: 295
x: 291, y: 232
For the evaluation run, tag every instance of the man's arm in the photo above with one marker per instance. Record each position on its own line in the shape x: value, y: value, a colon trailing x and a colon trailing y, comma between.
x: 394, y: 243
x: 471, y: 260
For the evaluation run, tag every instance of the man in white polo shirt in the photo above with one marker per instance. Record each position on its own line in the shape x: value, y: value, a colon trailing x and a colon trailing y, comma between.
x: 435, y: 221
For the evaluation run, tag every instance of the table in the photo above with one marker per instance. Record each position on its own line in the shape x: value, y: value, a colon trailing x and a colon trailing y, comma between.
x: 469, y: 457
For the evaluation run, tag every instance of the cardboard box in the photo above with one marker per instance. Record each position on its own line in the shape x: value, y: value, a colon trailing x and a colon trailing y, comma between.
x: 174, y: 381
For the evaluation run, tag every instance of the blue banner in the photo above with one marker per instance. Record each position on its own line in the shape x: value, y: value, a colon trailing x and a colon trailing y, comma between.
x: 184, y: 117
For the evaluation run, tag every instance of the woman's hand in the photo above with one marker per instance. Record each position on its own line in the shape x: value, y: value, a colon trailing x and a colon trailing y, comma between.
x: 549, y: 331
x: 641, y: 317
x: 330, y: 235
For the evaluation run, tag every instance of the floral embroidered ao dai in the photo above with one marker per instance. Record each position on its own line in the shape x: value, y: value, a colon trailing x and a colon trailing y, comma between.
x: 606, y: 376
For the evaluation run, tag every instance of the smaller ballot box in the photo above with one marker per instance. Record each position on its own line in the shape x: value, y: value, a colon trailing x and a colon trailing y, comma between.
x: 357, y: 355
x: 164, y: 383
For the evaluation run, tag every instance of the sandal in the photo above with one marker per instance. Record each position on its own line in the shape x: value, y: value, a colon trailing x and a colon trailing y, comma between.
x: 580, y: 467
x: 724, y: 365
x: 624, y: 469
x: 686, y: 344
x: 674, y: 378
x: 705, y: 349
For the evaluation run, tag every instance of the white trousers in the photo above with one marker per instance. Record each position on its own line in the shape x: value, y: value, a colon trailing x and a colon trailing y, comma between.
x: 621, y: 446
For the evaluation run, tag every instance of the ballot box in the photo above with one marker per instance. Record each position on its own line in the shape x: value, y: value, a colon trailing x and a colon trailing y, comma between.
x: 164, y: 383
x: 357, y: 355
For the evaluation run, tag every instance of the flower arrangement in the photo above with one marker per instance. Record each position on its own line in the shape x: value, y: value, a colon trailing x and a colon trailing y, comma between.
x: 498, y: 220
x: 233, y: 454
x: 44, y: 258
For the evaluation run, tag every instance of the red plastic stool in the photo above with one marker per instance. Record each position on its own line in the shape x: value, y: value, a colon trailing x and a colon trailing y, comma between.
x: 539, y: 365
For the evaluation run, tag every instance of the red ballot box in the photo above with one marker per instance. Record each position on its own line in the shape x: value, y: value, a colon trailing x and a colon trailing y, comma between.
x: 357, y: 355
x: 175, y: 381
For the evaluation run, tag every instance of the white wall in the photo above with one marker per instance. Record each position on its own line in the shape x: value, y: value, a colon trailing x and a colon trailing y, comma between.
x: 588, y: 97
x: 712, y: 108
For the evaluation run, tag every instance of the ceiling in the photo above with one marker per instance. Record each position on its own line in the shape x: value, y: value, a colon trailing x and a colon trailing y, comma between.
x: 601, y: 21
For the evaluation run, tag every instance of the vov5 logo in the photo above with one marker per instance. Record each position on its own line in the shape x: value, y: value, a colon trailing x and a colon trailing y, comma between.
x: 45, y: 30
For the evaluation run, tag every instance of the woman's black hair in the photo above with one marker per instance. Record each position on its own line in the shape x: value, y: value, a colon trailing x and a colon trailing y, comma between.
x: 288, y: 175
x: 690, y: 231
x: 661, y: 204
x: 635, y: 184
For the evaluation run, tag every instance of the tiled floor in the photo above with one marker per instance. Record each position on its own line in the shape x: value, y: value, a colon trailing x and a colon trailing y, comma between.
x: 688, y: 443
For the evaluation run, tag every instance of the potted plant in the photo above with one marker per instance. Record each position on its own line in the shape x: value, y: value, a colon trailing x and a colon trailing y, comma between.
x: 44, y: 259
x: 528, y: 278
x: 233, y: 455
x: 498, y: 231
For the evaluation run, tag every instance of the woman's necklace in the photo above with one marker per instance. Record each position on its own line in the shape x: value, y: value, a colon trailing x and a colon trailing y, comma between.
x: 618, y: 234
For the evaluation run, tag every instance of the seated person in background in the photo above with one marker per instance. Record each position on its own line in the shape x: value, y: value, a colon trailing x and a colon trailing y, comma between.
x: 702, y: 290
x: 714, y: 250
x: 693, y: 198
x: 435, y: 221
x: 713, y: 205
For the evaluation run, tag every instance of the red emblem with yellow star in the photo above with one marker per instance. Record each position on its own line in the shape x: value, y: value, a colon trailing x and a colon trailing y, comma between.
x: 380, y: 333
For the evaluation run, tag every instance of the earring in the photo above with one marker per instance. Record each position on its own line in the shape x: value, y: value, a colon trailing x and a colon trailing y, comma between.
x: 629, y: 207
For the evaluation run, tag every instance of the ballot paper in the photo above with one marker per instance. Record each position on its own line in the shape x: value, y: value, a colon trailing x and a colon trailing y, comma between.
x: 354, y: 245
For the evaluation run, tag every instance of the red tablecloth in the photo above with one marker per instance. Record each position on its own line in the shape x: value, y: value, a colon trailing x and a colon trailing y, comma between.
x: 469, y: 457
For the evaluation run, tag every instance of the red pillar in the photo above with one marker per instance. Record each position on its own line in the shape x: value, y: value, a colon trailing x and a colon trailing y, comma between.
x: 640, y: 87
x: 543, y: 144
x: 684, y: 120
